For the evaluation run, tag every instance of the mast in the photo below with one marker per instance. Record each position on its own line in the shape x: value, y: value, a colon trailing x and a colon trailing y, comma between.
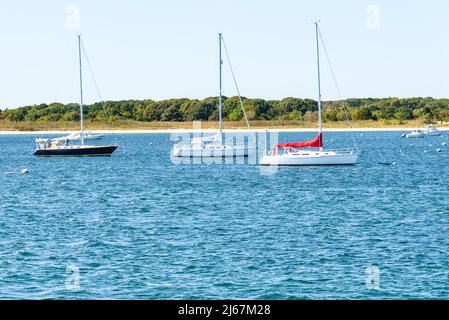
x: 81, y: 93
x: 320, y: 120
x: 220, y: 99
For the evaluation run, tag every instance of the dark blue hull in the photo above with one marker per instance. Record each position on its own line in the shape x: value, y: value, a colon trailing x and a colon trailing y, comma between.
x: 76, y: 151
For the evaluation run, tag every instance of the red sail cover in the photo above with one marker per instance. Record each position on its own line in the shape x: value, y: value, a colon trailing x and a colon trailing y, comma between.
x: 315, y: 143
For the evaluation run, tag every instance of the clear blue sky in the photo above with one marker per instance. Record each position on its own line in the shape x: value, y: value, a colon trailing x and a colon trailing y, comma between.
x: 163, y: 49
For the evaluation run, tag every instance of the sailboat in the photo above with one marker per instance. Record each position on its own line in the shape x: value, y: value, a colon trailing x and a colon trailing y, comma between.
x: 60, y: 147
x: 212, y: 146
x: 310, y: 153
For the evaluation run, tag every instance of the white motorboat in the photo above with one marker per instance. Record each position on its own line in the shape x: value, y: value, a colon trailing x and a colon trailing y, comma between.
x: 415, y: 134
x: 431, y: 130
x: 310, y: 153
x: 213, y: 146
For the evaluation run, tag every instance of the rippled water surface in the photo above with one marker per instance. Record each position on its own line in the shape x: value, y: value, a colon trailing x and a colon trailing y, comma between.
x: 139, y: 227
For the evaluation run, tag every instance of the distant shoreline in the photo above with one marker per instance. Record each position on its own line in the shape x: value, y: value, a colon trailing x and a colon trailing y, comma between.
x: 160, y: 131
x: 125, y: 127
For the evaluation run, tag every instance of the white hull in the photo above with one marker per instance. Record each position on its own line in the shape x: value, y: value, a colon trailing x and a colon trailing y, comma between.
x: 211, y: 151
x: 433, y: 133
x: 311, y: 158
x: 415, y: 135
x: 431, y: 130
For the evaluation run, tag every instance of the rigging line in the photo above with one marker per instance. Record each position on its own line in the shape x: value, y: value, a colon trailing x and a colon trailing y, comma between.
x: 95, y: 83
x: 238, y: 91
x: 343, y: 103
x: 91, y: 72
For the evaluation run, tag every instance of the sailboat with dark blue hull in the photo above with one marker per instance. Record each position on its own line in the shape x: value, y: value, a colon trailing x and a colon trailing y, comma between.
x: 73, y: 151
x: 61, y: 147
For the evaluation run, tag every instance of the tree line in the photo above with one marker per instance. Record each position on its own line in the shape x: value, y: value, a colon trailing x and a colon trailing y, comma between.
x: 427, y: 109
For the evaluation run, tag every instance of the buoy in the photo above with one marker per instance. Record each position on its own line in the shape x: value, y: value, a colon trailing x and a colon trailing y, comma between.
x: 444, y: 144
x: 439, y: 150
x: 387, y: 163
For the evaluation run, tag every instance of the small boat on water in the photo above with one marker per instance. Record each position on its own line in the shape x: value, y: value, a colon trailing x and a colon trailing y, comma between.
x: 60, y: 147
x: 431, y: 130
x: 310, y: 153
x: 415, y: 134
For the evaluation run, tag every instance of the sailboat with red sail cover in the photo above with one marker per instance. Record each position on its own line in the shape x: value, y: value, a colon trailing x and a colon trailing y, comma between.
x: 310, y: 153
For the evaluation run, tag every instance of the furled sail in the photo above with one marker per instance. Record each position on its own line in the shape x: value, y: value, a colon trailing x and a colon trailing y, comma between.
x: 315, y: 143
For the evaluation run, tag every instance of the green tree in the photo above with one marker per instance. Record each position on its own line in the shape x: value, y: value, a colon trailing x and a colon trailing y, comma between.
x: 171, y: 114
x: 404, y: 113
x: 363, y: 113
x: 236, y: 115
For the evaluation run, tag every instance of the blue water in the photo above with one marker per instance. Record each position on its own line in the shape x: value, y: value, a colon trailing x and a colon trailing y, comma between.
x: 139, y: 227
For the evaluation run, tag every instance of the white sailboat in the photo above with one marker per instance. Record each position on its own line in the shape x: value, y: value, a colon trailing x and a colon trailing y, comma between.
x: 310, y: 153
x: 213, y: 146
